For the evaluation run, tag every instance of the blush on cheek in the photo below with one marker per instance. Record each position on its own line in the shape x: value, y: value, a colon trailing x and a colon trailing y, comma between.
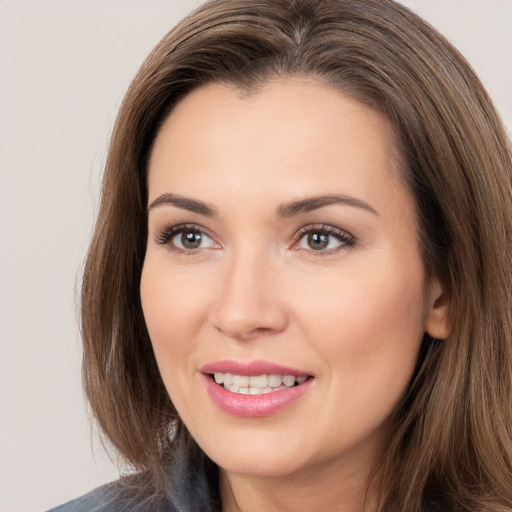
x: 369, y: 330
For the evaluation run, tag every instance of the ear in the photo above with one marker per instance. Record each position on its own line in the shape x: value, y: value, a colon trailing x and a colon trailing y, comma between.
x: 437, y: 320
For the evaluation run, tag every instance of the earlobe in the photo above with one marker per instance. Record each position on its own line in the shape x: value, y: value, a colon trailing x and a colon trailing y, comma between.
x: 437, y: 321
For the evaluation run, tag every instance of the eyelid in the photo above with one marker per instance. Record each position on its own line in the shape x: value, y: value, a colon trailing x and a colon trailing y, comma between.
x: 345, y: 237
x: 169, y: 231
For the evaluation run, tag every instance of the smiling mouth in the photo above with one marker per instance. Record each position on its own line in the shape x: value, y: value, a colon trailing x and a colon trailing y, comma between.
x: 256, y: 384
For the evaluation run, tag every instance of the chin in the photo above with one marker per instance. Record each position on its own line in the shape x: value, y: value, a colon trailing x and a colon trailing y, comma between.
x: 261, y: 467
x: 265, y: 458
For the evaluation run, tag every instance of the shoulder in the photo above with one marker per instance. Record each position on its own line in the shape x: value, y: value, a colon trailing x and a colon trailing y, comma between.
x: 116, y: 497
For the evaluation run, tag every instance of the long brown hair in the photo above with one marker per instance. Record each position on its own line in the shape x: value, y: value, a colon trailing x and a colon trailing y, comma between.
x: 450, y: 445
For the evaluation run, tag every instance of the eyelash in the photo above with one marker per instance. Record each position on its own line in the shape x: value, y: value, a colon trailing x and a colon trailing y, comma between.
x: 346, y: 239
x: 169, y: 232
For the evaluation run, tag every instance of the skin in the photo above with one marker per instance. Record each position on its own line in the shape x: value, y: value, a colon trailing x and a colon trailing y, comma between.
x: 352, y: 315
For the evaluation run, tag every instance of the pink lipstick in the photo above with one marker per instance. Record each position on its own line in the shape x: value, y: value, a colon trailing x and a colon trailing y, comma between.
x: 255, y: 388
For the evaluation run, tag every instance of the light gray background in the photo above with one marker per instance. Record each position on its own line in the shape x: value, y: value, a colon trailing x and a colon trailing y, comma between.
x: 64, y: 66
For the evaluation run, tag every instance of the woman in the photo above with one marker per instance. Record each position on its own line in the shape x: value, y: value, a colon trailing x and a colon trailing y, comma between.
x: 298, y: 292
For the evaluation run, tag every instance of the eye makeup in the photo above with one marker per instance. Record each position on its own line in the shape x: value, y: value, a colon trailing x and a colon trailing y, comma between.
x: 323, y: 239
x: 317, y: 239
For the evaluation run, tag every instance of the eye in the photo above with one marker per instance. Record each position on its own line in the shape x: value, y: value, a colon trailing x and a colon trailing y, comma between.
x: 324, y: 239
x: 190, y: 239
x: 185, y: 238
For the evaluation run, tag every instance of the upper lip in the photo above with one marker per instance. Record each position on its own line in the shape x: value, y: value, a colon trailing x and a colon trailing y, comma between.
x: 251, y: 368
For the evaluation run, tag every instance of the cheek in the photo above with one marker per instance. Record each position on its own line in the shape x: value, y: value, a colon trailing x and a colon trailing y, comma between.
x: 367, y: 327
x: 174, y: 311
x: 172, y: 306
x: 367, y: 334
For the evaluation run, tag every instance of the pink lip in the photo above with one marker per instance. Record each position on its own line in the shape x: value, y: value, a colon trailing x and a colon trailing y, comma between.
x: 251, y: 368
x: 252, y: 406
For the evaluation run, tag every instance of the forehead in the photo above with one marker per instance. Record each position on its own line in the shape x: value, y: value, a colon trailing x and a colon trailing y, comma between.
x: 290, y: 136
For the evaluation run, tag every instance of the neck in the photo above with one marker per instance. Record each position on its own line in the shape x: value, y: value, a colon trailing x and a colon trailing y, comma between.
x: 328, y: 488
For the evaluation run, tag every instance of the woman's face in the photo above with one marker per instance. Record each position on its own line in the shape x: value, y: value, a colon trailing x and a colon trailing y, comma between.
x: 283, y: 247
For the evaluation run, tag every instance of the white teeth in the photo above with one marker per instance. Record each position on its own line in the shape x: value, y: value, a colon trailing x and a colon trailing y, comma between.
x: 242, y: 381
x: 260, y: 391
x: 256, y: 384
x: 260, y: 381
x: 289, y: 380
x: 274, y: 381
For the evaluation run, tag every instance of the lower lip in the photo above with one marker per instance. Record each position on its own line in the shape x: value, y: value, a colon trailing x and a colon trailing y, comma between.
x: 254, y: 406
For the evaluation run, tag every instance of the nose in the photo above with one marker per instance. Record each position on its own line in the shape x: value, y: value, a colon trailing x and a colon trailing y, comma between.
x: 249, y: 302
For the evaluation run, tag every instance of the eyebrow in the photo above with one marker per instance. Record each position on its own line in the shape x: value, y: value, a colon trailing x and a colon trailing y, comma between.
x: 314, y: 203
x: 191, y: 205
x: 285, y: 210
